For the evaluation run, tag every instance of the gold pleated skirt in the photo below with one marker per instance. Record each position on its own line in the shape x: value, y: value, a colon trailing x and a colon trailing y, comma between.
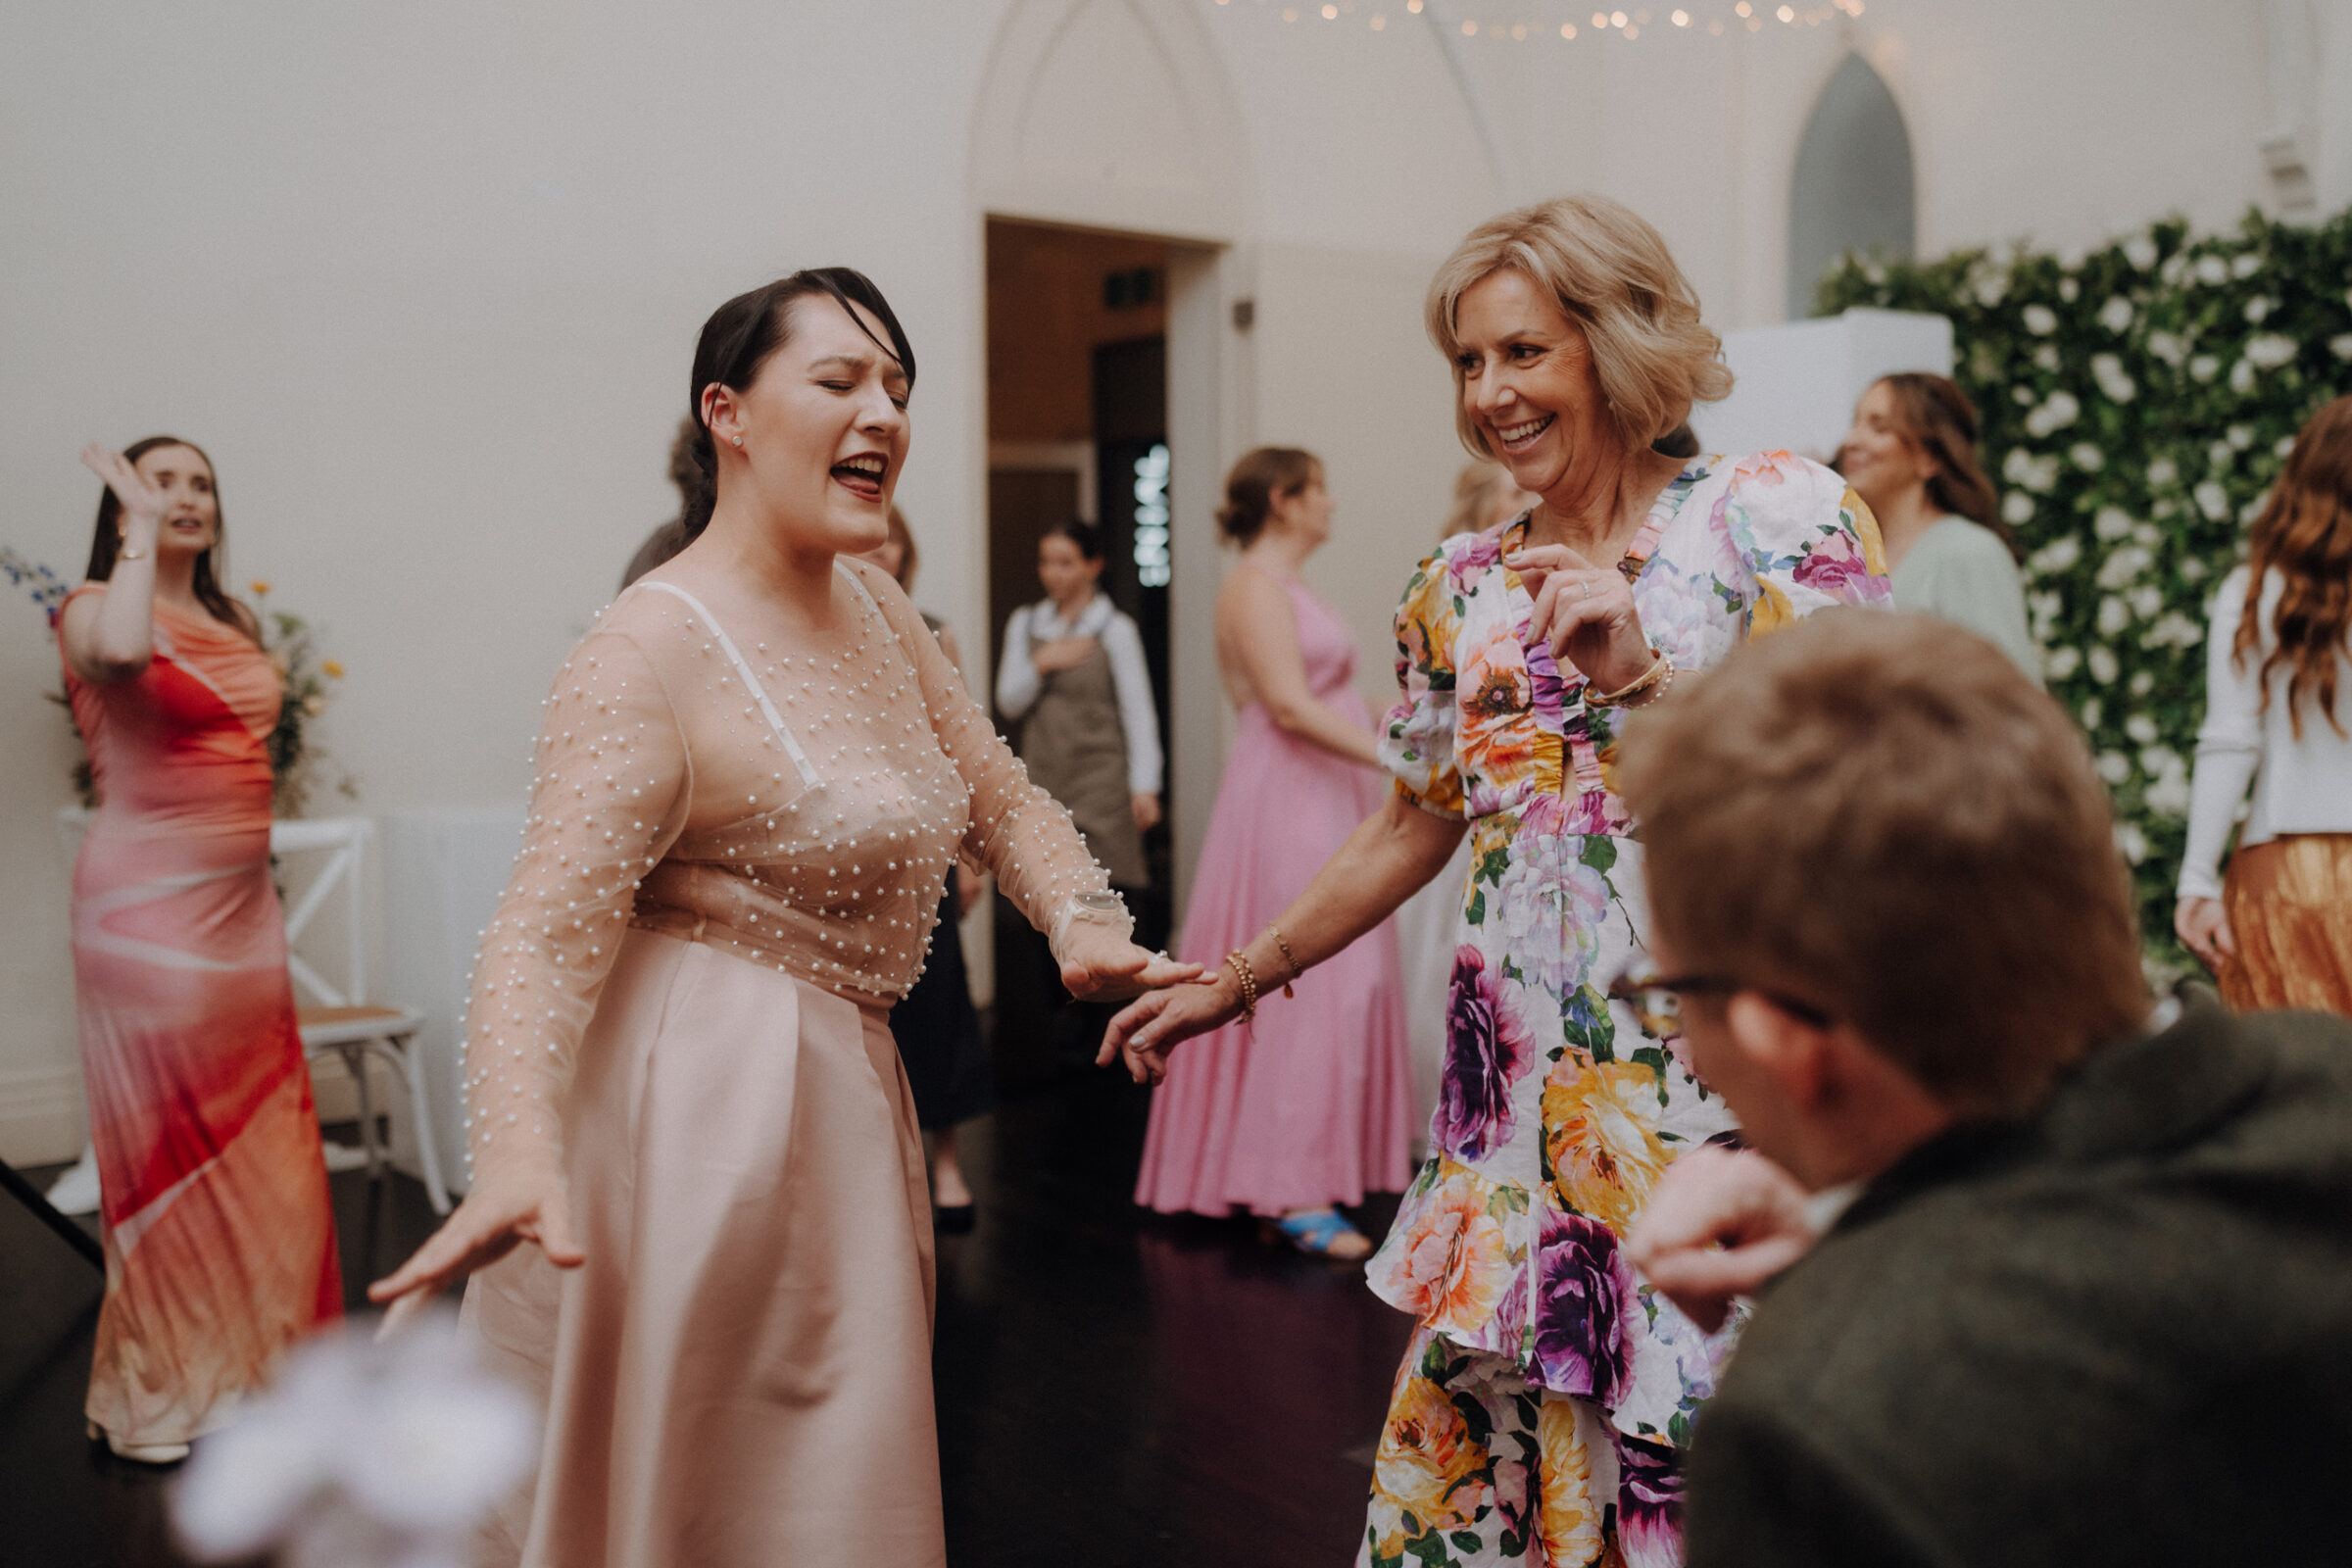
x: 2289, y: 903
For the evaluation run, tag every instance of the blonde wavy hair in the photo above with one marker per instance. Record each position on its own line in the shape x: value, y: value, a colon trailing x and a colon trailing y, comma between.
x: 1611, y: 274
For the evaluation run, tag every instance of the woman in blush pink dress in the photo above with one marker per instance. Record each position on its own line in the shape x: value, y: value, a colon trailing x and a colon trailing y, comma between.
x: 1309, y: 1108
x: 219, y: 1238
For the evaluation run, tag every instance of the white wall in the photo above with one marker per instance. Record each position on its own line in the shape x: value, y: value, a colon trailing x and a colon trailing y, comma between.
x: 425, y: 278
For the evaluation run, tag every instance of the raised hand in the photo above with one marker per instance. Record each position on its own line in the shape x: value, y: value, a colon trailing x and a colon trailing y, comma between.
x: 143, y: 505
x: 499, y: 1214
x: 1099, y: 964
x: 1718, y: 1225
x: 1585, y: 613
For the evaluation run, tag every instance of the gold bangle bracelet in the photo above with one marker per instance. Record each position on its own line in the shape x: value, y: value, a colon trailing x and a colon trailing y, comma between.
x: 1641, y: 683
x: 1249, y: 981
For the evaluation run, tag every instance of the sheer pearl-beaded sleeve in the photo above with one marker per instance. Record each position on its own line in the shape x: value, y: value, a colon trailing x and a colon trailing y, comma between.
x: 1016, y: 830
x: 608, y: 795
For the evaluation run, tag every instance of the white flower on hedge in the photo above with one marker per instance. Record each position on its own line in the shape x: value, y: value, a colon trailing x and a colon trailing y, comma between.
x: 2258, y: 307
x: 2220, y: 456
x: 1990, y: 290
x: 2040, y: 319
x: 2172, y: 629
x: 2093, y: 713
x: 2140, y: 250
x: 2141, y: 728
x: 2246, y: 263
x: 2131, y: 841
x: 2167, y: 348
x: 2253, y: 509
x: 2017, y: 508
x: 2115, y: 314
x: 2169, y: 795
x: 2211, y: 500
x: 2160, y: 761
x: 2241, y: 378
x: 2108, y: 371
x: 2123, y: 566
x: 2059, y: 411
x: 2114, y: 616
x: 2101, y: 659
x: 2059, y: 554
x: 2204, y: 368
x: 2141, y: 684
x: 2045, y: 357
x: 2163, y: 470
x: 2148, y: 534
x: 2212, y: 269
x: 2041, y: 614
x: 2239, y: 436
x: 2062, y: 663
x: 2283, y: 447
x: 2340, y: 345
x: 2268, y: 350
x: 2022, y: 396
x: 2023, y: 467
x: 2192, y: 569
x: 2111, y: 522
x: 2115, y: 767
x: 2145, y: 600
x: 2174, y: 268
x: 2086, y: 456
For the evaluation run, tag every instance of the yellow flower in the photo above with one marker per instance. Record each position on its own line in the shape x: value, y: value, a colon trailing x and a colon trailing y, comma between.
x: 1571, y: 1524
x: 1771, y: 611
x: 1426, y: 1462
x: 332, y: 670
x: 1865, y: 526
x: 260, y: 585
x: 1600, y: 1123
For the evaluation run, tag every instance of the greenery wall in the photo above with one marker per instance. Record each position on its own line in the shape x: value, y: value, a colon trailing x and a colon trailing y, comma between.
x: 2137, y: 403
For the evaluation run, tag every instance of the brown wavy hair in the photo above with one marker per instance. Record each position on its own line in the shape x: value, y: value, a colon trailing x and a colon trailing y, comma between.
x: 1260, y: 477
x: 1934, y: 415
x: 2305, y: 535
x: 106, y: 541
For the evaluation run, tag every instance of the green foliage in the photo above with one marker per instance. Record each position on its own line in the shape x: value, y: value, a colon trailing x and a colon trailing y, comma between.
x: 2137, y: 403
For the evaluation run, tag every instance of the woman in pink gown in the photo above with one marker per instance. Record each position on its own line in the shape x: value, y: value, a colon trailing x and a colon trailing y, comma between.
x: 219, y: 1238
x: 754, y: 774
x: 1309, y: 1106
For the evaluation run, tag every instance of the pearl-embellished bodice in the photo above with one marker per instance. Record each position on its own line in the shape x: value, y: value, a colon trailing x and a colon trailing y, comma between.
x: 795, y: 801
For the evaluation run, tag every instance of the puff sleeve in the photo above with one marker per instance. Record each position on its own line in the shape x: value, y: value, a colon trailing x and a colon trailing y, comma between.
x: 1807, y: 539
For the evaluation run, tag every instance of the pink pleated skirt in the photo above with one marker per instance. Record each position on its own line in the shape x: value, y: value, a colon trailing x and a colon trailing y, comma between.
x: 740, y: 1374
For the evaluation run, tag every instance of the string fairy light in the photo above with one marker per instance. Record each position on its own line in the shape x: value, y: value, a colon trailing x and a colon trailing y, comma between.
x: 1516, y: 25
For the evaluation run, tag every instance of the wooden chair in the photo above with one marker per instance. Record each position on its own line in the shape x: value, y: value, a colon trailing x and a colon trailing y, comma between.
x: 337, y: 1019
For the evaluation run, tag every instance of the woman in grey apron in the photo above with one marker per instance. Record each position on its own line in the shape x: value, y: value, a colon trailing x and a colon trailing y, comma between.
x: 1074, y: 680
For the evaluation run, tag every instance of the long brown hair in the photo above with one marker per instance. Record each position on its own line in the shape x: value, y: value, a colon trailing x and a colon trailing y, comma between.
x: 107, y: 543
x: 1934, y: 415
x: 2305, y: 535
x: 1263, y: 475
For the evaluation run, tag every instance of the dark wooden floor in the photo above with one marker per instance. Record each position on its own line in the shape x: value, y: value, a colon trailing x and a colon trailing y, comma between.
x: 1114, y: 1389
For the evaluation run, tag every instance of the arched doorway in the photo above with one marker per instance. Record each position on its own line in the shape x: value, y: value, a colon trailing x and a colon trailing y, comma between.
x: 1853, y: 189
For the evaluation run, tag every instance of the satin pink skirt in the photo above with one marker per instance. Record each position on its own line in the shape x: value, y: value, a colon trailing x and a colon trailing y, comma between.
x: 740, y: 1374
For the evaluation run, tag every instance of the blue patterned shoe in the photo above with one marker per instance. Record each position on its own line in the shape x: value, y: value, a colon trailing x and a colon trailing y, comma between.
x: 1323, y: 1233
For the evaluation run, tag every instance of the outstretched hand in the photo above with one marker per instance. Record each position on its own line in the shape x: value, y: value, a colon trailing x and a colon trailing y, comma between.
x: 1155, y: 1024
x: 1099, y: 964
x: 1719, y: 1224
x: 497, y: 1215
x: 143, y: 505
x: 1585, y: 613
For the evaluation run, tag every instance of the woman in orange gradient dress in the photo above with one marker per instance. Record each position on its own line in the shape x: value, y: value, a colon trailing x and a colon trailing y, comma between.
x: 220, y: 1240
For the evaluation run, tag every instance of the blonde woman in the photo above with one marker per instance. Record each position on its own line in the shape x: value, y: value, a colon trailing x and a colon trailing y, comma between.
x: 1547, y: 1393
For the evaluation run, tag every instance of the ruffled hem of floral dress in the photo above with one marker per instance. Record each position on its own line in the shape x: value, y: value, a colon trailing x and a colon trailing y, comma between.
x: 1507, y: 1270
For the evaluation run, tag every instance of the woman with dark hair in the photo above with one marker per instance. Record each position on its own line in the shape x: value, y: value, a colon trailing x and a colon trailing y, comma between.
x: 219, y: 1238
x: 1288, y: 1117
x: 935, y: 1025
x: 1912, y: 458
x: 753, y: 774
x: 1073, y: 677
x: 2277, y: 933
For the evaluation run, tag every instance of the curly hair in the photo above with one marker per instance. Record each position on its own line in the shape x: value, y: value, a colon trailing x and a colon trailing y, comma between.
x: 2305, y: 535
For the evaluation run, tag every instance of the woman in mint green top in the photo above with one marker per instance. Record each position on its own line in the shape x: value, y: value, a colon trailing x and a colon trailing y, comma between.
x: 1912, y: 456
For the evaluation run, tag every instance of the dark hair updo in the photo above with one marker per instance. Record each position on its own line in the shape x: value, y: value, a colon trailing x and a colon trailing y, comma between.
x: 741, y: 333
x: 1078, y: 531
x: 1261, y: 478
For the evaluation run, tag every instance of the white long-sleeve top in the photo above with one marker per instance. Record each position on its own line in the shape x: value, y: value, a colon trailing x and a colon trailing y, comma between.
x: 2300, y: 786
x: 1018, y: 682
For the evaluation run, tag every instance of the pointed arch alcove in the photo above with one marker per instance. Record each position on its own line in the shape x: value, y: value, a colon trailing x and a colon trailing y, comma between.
x: 1853, y: 188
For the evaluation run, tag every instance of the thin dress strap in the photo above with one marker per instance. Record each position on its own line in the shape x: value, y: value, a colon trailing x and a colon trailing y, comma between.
x: 743, y: 667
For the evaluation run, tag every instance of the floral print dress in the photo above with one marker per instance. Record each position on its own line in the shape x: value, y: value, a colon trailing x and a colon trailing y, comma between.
x: 1540, y: 1407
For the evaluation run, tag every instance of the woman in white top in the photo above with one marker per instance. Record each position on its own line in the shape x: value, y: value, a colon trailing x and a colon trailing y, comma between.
x: 2279, y: 932
x: 1073, y: 677
x: 1912, y: 456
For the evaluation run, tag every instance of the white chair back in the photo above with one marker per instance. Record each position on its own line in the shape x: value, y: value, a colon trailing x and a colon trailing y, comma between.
x: 343, y: 841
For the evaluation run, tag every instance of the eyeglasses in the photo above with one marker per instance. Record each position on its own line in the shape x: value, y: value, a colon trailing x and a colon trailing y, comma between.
x: 1659, y: 998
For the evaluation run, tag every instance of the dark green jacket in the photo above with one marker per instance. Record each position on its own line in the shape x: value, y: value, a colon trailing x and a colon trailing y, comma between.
x: 2122, y: 1334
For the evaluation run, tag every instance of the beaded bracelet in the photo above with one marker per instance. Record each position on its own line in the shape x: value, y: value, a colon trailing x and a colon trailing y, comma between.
x: 1659, y: 668
x: 1242, y: 972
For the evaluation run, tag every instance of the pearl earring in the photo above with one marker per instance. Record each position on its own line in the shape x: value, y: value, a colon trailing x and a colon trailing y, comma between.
x: 739, y: 440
